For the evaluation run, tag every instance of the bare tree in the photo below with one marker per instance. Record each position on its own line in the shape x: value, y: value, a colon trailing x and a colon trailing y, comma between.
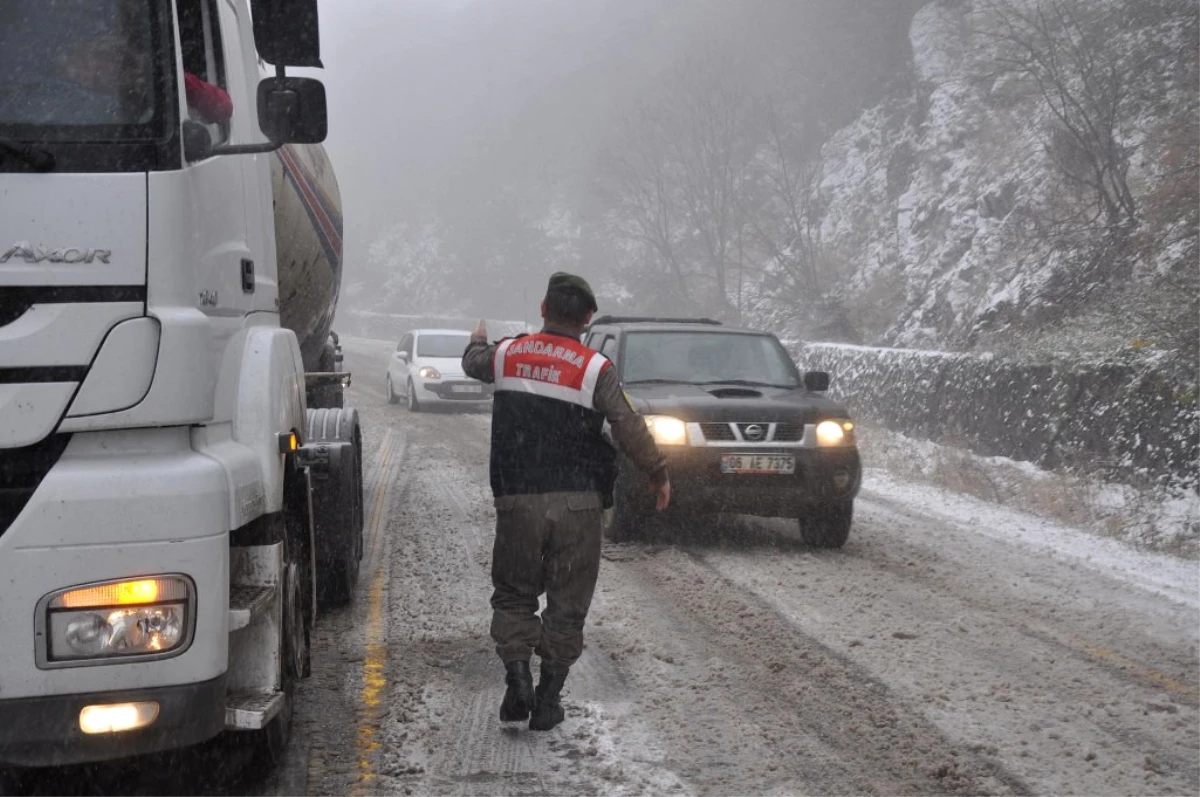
x: 641, y: 189
x: 788, y: 224
x: 1064, y: 48
x: 680, y: 175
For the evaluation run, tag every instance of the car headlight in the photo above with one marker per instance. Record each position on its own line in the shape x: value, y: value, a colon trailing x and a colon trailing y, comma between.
x: 835, y: 433
x: 667, y: 431
x: 140, y: 617
x: 429, y: 372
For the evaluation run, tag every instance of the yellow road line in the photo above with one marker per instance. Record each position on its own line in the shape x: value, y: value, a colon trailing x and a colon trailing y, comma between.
x: 1161, y: 680
x: 374, y: 669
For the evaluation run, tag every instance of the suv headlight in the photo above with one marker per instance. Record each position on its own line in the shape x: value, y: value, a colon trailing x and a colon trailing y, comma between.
x: 138, y: 617
x: 835, y: 433
x: 667, y: 431
x: 429, y: 372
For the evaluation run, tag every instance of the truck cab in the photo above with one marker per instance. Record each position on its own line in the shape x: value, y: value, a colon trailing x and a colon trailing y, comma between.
x: 158, y: 460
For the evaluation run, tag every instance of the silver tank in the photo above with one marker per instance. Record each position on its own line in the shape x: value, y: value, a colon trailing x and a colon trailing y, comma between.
x: 308, y: 245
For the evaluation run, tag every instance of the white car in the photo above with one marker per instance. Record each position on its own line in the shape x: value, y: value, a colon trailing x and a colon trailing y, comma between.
x: 426, y: 369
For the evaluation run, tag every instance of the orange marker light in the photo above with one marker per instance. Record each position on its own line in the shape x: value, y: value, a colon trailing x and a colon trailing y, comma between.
x: 289, y: 442
x: 123, y: 593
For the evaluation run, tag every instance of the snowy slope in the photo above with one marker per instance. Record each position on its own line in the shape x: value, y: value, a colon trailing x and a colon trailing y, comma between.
x: 938, y: 203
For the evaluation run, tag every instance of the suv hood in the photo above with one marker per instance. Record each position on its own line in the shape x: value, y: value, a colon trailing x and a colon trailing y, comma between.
x: 729, y: 403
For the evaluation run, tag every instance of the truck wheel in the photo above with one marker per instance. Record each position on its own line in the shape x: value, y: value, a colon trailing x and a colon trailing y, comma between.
x: 413, y: 404
x: 328, y: 395
x: 336, y: 579
x: 391, y: 392
x: 827, y: 525
x: 268, y: 745
x: 338, y: 505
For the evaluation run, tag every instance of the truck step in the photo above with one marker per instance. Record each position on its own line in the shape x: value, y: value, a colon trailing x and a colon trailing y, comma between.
x: 248, y: 603
x: 251, y: 711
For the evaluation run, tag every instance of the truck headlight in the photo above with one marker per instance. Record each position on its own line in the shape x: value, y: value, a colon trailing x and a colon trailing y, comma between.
x: 835, y: 433
x: 429, y: 372
x: 140, y: 617
x: 667, y: 431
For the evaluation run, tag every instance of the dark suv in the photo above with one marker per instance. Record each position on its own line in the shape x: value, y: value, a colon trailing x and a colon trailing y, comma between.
x: 744, y: 431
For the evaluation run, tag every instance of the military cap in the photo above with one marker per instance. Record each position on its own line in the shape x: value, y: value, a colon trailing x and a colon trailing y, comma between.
x: 561, y: 280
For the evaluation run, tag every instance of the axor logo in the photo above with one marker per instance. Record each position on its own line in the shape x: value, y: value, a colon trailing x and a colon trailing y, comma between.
x: 22, y: 251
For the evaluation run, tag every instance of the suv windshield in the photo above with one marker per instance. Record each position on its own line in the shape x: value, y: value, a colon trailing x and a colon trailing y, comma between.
x: 442, y: 345
x: 706, y: 357
x: 82, y: 66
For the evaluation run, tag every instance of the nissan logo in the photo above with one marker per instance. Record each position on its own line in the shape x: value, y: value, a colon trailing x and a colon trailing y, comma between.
x: 754, y: 432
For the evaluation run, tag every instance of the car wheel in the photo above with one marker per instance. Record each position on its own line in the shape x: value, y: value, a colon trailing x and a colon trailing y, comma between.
x: 391, y: 392
x: 827, y: 525
x: 413, y: 405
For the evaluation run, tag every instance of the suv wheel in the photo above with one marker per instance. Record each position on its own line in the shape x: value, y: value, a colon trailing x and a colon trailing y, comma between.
x: 623, y: 522
x: 827, y: 525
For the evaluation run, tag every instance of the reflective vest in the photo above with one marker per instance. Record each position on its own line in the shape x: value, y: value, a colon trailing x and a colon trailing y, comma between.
x: 546, y: 432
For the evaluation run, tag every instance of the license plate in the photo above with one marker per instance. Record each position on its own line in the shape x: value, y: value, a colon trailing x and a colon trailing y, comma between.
x: 467, y: 388
x: 758, y: 463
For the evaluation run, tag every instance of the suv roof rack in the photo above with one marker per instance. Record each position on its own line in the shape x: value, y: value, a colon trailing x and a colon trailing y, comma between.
x: 630, y: 319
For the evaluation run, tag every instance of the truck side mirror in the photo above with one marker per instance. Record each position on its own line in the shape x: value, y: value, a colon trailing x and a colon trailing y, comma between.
x: 197, y: 142
x: 292, y: 110
x: 816, y: 381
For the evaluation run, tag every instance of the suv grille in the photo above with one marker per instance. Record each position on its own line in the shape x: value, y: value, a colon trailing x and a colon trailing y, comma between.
x: 21, y: 471
x: 717, y: 431
x: 789, y: 432
x: 723, y: 432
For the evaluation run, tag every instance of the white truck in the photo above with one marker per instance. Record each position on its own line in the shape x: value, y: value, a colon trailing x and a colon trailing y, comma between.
x: 180, y: 485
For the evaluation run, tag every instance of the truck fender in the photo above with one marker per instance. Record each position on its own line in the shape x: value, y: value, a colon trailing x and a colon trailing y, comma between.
x: 263, y: 391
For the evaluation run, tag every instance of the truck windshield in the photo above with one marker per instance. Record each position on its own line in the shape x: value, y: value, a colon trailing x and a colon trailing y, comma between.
x: 442, y: 345
x: 706, y: 358
x: 77, y: 69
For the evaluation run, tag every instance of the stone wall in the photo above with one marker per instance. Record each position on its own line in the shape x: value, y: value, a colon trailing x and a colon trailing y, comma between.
x: 1133, y: 419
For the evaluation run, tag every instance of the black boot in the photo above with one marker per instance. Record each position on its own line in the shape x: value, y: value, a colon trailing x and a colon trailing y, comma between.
x: 549, y: 711
x: 518, y: 699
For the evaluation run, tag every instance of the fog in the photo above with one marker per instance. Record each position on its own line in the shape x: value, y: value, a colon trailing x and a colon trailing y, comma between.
x: 474, y: 141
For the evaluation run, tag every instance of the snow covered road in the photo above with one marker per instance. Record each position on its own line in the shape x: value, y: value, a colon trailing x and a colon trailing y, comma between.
x: 950, y: 647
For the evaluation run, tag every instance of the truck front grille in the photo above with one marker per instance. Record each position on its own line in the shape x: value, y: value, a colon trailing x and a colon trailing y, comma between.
x: 22, y: 470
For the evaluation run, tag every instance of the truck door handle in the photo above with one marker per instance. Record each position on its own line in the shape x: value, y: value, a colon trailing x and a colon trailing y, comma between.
x: 247, y: 275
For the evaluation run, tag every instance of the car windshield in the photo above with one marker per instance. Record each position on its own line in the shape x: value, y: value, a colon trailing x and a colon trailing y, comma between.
x: 442, y: 345
x: 706, y: 357
x: 80, y: 65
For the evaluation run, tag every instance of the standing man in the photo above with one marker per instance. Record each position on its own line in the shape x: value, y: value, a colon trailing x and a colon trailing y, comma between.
x: 552, y: 473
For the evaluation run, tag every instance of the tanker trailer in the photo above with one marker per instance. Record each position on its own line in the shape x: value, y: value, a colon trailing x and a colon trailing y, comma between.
x: 308, y: 247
